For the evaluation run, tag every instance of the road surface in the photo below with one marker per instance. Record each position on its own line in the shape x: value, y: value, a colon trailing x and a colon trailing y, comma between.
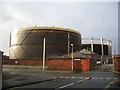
x: 17, y: 79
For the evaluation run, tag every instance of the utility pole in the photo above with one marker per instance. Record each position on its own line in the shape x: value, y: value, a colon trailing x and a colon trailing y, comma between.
x: 72, y: 58
x: 44, y: 54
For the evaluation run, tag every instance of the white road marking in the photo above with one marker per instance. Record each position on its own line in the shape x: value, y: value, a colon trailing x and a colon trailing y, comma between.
x: 110, y: 84
x: 86, y: 77
x: 5, y: 69
x: 67, y: 77
x: 115, y: 78
x: 100, y: 78
x: 94, y: 78
x: 66, y: 85
x: 108, y: 78
x: 61, y: 77
x: 79, y: 81
x: 80, y: 77
x: 73, y: 77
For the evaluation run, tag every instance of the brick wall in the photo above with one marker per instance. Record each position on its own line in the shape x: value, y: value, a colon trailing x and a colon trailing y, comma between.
x: 23, y: 62
x: 82, y: 64
x: 77, y: 65
x: 59, y: 64
x: 85, y: 64
x: 117, y: 63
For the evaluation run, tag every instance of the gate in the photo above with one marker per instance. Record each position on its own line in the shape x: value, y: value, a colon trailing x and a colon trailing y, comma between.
x: 105, y: 65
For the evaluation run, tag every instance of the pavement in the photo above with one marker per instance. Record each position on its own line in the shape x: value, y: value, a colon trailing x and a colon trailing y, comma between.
x: 22, y: 78
x: 16, y: 79
x: 15, y: 75
x: 32, y: 68
x: 27, y: 67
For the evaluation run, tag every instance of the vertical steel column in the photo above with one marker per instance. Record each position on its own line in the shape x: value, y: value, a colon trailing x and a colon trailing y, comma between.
x: 102, y: 46
x: 68, y: 43
x: 44, y: 54
x: 92, y: 44
x: 110, y: 48
x: 102, y: 53
x: 108, y: 43
x: 10, y: 41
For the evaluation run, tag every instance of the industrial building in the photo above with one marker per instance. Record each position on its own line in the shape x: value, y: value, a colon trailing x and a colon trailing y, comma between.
x: 27, y: 43
x: 102, y: 47
x: 57, y: 48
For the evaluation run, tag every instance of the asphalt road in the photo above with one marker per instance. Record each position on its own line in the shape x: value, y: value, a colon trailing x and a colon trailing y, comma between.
x: 59, y: 80
x: 71, y: 83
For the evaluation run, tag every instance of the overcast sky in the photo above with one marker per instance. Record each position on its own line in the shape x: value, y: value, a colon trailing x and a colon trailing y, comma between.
x: 91, y: 19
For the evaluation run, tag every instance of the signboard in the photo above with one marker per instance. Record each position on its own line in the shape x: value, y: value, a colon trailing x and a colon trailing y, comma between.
x: 77, y: 59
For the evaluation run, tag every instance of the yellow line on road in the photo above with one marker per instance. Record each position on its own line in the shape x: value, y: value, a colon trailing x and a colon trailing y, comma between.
x: 110, y: 83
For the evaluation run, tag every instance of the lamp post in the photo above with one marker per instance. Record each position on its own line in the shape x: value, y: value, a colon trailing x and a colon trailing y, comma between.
x: 72, y: 57
x: 44, y: 54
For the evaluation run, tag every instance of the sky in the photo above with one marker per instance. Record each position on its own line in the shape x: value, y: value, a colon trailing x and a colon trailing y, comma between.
x: 91, y: 19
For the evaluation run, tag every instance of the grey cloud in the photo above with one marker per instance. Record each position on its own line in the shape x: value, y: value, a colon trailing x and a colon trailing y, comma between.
x: 91, y: 19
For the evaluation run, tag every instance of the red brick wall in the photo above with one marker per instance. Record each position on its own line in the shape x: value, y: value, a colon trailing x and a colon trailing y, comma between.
x: 116, y: 63
x: 23, y: 62
x: 85, y: 65
x: 82, y: 64
x: 59, y: 64
x: 10, y: 62
x: 77, y: 65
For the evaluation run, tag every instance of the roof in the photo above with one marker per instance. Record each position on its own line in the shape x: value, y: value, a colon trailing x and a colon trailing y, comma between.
x: 55, y: 28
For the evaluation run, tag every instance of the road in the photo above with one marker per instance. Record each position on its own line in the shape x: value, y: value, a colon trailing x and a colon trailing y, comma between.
x: 58, y: 80
x: 73, y: 82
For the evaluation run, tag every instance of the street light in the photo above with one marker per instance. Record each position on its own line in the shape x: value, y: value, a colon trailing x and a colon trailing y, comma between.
x: 72, y: 57
x: 44, y: 54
